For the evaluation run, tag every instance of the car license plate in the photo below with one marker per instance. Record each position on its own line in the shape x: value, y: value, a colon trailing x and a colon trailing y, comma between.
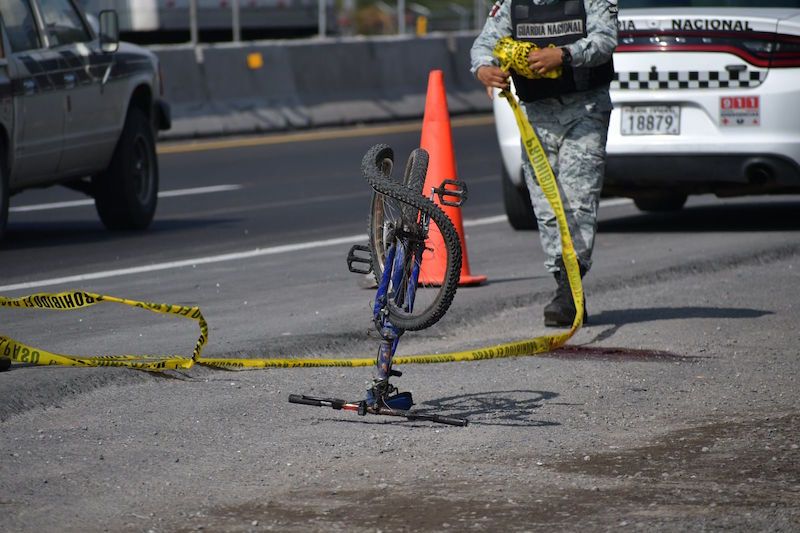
x: 651, y: 120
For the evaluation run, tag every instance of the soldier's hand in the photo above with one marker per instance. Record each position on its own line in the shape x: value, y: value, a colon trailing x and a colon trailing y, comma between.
x: 493, y: 77
x: 544, y: 60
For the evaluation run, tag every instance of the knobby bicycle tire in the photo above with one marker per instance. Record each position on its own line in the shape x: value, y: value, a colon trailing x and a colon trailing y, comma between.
x: 373, y: 167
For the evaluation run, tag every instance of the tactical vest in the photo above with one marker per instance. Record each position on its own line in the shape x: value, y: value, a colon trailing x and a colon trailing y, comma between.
x: 560, y: 23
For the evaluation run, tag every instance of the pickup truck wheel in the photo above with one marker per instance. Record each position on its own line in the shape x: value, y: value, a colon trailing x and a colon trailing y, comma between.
x: 127, y: 192
x: 4, y: 194
x: 517, y: 202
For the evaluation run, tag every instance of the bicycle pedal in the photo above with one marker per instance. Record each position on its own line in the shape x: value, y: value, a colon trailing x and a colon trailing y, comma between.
x: 395, y: 373
x: 453, y: 197
x: 357, y: 256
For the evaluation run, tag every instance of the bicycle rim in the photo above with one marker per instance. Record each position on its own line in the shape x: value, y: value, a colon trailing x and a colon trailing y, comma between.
x: 387, y: 213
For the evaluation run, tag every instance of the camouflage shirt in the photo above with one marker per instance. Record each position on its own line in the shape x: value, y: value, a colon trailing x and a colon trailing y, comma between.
x: 594, y: 49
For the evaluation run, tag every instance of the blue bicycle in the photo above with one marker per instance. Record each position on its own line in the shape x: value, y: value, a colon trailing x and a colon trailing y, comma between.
x: 401, y: 220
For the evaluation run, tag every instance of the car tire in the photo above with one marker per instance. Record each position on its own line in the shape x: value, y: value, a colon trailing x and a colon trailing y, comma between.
x: 517, y: 202
x: 661, y: 202
x: 126, y: 193
x: 4, y: 195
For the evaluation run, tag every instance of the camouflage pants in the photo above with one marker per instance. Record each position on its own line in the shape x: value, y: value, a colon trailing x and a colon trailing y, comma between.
x: 577, y: 152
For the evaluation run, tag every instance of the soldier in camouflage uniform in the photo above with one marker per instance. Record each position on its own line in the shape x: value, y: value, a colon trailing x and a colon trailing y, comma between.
x: 570, y: 114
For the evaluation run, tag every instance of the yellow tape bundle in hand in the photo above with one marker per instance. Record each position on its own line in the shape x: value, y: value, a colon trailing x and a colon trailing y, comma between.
x: 513, y: 55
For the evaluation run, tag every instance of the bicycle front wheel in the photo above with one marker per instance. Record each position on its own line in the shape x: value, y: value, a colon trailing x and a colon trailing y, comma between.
x: 401, y: 218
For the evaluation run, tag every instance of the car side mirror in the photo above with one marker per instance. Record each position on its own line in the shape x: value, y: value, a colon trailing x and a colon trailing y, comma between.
x: 109, y: 31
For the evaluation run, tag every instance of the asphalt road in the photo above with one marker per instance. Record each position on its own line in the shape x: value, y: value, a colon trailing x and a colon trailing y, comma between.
x: 675, y: 408
x: 213, y: 200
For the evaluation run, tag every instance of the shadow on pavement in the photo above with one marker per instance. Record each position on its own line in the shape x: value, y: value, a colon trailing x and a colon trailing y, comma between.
x: 765, y: 216
x: 619, y: 317
x: 497, y: 408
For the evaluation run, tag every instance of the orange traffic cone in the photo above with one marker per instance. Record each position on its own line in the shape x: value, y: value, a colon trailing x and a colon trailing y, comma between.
x: 437, y: 139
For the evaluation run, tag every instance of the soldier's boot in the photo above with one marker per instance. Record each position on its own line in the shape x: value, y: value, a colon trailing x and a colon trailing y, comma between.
x: 560, y: 312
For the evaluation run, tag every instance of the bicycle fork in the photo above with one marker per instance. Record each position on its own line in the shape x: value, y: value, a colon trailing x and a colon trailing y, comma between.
x: 381, y: 393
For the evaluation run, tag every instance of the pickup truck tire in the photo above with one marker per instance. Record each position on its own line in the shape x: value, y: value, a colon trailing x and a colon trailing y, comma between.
x: 4, y: 195
x: 517, y: 202
x: 126, y: 193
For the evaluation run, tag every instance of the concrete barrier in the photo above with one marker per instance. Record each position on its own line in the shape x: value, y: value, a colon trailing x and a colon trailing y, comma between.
x: 213, y: 89
x: 185, y: 89
x: 274, y: 85
x: 246, y: 95
x: 337, y: 83
x: 466, y: 87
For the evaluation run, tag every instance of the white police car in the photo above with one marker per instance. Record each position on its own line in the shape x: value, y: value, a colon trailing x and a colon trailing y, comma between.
x: 707, y: 100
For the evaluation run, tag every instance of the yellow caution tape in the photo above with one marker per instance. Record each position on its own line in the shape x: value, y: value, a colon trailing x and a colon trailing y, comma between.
x: 513, y: 55
x: 511, y: 349
x: 547, y: 181
x: 67, y: 301
x: 72, y: 300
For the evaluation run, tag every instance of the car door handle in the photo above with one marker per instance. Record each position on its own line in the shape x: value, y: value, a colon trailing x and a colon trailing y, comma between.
x: 106, y: 75
x: 735, y: 68
x: 29, y: 86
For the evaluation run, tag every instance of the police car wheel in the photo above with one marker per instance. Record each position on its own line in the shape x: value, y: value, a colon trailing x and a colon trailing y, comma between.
x: 660, y: 202
x: 517, y: 202
x: 4, y: 194
x: 127, y: 192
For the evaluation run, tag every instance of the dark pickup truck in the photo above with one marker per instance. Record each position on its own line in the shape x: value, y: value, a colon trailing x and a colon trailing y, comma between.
x: 78, y: 108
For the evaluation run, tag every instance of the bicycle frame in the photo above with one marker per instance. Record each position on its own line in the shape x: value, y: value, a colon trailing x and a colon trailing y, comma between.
x: 399, y: 240
x: 397, y: 255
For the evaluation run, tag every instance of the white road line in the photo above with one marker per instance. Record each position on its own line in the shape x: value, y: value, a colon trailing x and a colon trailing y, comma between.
x: 484, y: 221
x: 162, y: 194
x: 237, y: 256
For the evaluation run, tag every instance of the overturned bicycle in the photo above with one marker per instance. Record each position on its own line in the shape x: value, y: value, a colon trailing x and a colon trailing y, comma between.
x: 401, y: 221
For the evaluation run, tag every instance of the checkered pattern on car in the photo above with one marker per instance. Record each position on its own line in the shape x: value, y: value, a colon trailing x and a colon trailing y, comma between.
x: 688, y: 79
